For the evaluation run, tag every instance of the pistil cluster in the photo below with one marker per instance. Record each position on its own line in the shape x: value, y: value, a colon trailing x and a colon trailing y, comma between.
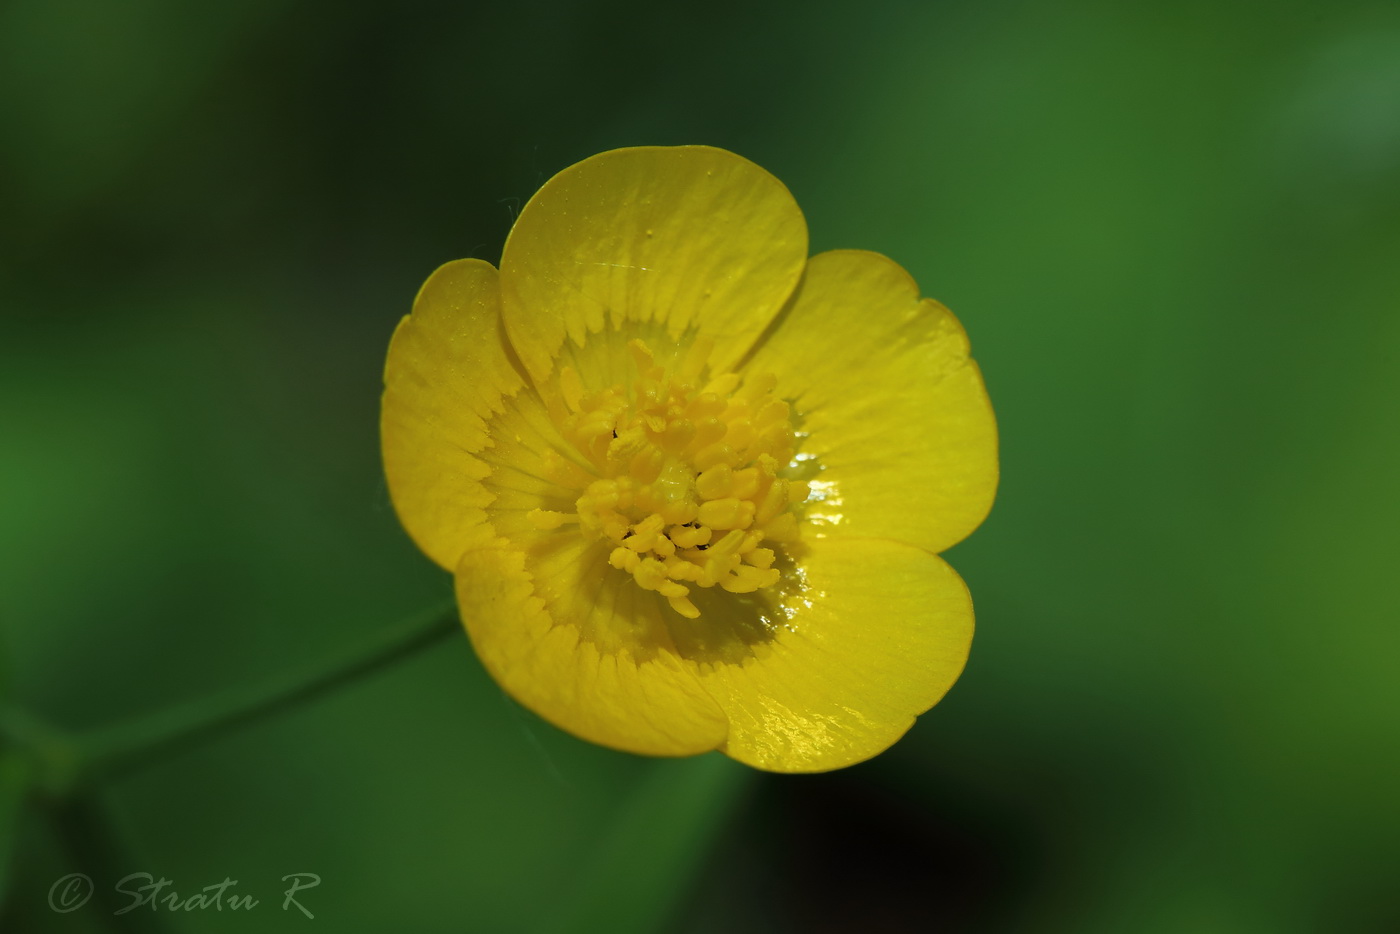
x: 680, y: 475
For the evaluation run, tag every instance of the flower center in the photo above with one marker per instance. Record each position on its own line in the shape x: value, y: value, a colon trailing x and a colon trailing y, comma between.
x: 683, y: 477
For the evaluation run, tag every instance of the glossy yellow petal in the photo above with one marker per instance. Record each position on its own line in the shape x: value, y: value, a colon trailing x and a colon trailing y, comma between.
x: 446, y: 375
x: 576, y: 642
x: 685, y: 238
x: 876, y: 635
x: 897, y: 417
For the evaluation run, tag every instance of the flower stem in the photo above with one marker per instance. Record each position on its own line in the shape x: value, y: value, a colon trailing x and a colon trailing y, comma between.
x: 112, y: 751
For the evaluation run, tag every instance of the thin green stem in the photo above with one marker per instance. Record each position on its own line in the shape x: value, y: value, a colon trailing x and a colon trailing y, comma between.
x: 115, y: 750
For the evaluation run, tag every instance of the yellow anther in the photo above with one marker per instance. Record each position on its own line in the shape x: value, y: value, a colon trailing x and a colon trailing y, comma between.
x: 706, y: 405
x: 760, y: 557
x: 740, y: 434
x: 715, y: 483
x: 613, y: 524
x: 679, y: 512
x: 747, y: 579
x: 689, y: 536
x: 678, y: 435
x: 745, y: 485
x: 723, y: 385
x: 626, y: 498
x: 670, y: 588
x: 736, y: 409
x: 624, y: 560
x: 707, y: 457
x: 708, y: 430
x: 683, y: 606
x: 726, y: 513
x: 650, y: 574
x: 644, y: 535
x: 680, y: 569
x: 601, y: 494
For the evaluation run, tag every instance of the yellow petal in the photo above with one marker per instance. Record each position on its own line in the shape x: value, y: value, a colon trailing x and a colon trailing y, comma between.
x: 576, y: 642
x: 446, y: 374
x: 877, y: 634
x: 895, y: 409
x: 674, y: 238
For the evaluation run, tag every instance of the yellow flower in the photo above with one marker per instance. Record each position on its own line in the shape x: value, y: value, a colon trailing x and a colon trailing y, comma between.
x: 692, y: 483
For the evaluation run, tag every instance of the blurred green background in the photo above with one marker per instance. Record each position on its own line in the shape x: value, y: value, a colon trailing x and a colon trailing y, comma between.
x: 1171, y: 229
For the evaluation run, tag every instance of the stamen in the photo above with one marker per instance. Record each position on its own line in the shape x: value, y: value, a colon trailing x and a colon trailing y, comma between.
x: 680, y: 475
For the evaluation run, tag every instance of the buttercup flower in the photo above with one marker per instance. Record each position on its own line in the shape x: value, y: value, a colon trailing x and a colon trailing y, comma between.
x: 693, y: 484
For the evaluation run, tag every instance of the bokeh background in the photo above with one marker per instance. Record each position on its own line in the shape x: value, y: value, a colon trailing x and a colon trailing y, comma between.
x: 1171, y: 229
